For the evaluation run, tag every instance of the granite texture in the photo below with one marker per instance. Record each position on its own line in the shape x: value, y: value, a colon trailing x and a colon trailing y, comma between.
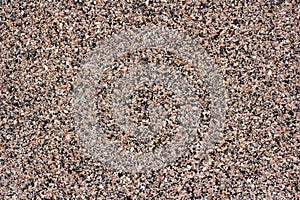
x: 255, y: 45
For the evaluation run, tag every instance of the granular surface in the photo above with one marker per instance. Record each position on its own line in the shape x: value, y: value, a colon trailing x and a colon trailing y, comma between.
x: 255, y: 47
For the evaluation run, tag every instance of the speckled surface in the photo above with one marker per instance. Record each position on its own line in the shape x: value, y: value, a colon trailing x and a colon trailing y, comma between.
x: 256, y: 47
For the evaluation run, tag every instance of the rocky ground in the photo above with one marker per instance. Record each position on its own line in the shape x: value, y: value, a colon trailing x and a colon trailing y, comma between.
x: 256, y: 47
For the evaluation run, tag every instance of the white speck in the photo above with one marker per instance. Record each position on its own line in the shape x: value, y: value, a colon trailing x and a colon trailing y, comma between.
x: 269, y: 72
x: 195, y: 108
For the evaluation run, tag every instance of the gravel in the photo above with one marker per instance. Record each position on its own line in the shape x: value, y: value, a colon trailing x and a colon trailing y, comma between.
x: 254, y: 45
